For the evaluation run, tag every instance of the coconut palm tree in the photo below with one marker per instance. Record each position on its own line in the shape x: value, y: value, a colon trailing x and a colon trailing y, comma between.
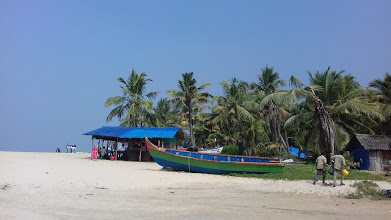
x: 339, y: 107
x: 383, y: 87
x: 234, y: 111
x: 383, y: 98
x: 132, y: 103
x: 164, y: 115
x: 268, y: 83
x: 203, y: 130
x: 188, y: 95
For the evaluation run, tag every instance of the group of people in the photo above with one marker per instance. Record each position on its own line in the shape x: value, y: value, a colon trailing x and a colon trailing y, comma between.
x: 338, y: 163
x: 104, y: 152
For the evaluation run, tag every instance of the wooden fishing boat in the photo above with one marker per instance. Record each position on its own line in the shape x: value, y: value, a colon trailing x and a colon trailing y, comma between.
x: 212, y: 163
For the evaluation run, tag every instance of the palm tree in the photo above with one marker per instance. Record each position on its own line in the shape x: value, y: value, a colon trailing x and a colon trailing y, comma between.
x: 203, y: 130
x: 188, y: 95
x: 269, y: 83
x: 383, y: 98
x: 383, y: 87
x: 234, y: 112
x: 164, y: 115
x: 339, y: 108
x: 131, y: 104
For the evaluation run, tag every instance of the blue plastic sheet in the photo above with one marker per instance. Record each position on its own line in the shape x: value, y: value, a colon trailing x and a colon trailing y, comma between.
x: 295, y: 153
x: 133, y: 132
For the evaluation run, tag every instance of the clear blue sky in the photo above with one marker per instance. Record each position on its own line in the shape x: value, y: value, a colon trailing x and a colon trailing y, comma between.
x: 59, y: 60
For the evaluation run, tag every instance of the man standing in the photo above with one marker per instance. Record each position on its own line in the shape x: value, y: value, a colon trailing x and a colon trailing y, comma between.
x: 339, y: 165
x: 321, y: 164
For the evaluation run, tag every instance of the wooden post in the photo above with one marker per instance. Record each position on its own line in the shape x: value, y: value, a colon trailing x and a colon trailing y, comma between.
x: 116, y: 149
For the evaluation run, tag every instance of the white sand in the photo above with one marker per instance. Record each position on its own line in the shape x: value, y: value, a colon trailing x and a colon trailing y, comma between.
x: 63, y: 183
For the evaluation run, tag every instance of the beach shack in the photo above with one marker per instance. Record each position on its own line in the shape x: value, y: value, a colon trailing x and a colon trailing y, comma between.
x: 128, y: 142
x: 371, y: 152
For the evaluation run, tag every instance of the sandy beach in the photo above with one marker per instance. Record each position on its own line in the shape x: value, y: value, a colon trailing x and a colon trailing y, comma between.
x: 66, y: 186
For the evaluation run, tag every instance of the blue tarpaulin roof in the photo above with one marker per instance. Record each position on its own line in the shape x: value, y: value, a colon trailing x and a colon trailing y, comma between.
x: 133, y: 132
x: 107, y: 131
x: 151, y: 133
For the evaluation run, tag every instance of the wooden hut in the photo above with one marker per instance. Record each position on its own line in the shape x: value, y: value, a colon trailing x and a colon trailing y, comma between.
x: 371, y: 151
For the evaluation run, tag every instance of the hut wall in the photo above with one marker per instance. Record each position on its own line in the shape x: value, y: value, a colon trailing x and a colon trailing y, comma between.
x: 386, y: 156
x: 376, y: 161
x: 359, y: 152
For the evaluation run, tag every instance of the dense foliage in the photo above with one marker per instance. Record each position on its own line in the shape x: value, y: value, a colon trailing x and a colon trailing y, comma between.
x: 259, y: 117
x: 231, y: 150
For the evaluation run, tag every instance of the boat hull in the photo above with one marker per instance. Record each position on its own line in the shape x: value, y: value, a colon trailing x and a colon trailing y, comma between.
x: 191, y: 164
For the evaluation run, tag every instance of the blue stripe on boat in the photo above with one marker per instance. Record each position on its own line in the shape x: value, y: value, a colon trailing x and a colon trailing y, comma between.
x: 218, y: 157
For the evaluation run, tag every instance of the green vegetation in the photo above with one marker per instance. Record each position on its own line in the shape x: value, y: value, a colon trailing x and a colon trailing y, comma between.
x: 366, y: 189
x: 131, y: 108
x: 260, y: 117
x: 231, y: 150
x: 189, y: 99
x: 306, y: 172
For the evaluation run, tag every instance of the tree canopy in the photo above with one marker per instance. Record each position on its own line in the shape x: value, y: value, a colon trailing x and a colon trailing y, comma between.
x: 265, y: 116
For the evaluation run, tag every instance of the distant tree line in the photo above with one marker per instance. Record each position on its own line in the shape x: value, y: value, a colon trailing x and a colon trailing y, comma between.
x: 259, y: 116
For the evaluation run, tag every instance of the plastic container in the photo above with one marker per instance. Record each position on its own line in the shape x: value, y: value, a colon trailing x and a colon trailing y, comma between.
x: 112, y: 158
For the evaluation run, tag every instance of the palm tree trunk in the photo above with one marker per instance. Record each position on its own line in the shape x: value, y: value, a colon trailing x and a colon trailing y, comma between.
x: 286, y: 145
x: 192, y: 138
x: 287, y: 142
x: 273, y: 122
x: 327, y: 136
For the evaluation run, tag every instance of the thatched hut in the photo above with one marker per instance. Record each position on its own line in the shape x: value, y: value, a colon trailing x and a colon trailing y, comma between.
x: 371, y: 151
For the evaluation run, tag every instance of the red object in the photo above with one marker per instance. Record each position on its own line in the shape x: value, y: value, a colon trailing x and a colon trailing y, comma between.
x: 112, y: 158
x: 94, y: 153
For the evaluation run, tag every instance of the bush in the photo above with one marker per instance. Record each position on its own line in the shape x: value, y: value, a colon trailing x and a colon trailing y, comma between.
x: 284, y: 154
x: 231, y: 150
x: 276, y: 154
x: 266, y: 154
x: 366, y: 189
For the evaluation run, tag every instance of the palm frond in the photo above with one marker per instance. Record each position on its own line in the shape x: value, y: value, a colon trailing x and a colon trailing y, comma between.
x: 203, y: 86
x: 117, y: 100
x: 387, y: 111
x: 299, y: 119
x: 343, y: 136
x: 152, y: 95
x: 358, y: 106
x: 116, y: 112
x: 295, y: 82
x: 243, y: 113
x: 356, y: 93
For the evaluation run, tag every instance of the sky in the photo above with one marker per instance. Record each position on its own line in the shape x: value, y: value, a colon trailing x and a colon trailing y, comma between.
x: 60, y: 60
